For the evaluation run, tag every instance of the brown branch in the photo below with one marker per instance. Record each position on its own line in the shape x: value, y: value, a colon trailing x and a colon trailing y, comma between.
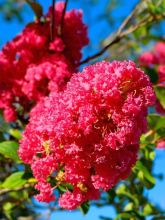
x: 115, y: 40
x: 147, y: 20
x: 120, y: 33
x: 5, y: 191
x: 128, y: 19
x: 112, y: 39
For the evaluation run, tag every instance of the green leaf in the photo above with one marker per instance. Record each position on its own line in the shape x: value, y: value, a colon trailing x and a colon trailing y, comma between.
x: 129, y: 207
x: 69, y: 186
x: 62, y: 188
x: 15, y: 133
x: 3, y: 125
x: 152, y: 155
x: 140, y: 175
x: 122, y: 191
x: 36, y: 7
x: 160, y: 93
x: 123, y: 216
x: 156, y: 121
x: 147, y: 209
x: 14, y: 181
x: 9, y: 150
x: 153, y: 74
x: 160, y: 133
x: 8, y: 207
x: 85, y: 207
x: 146, y: 174
x: 155, y: 9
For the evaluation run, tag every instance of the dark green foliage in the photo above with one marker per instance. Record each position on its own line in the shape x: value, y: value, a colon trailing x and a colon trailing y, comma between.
x: 160, y: 93
x: 85, y: 208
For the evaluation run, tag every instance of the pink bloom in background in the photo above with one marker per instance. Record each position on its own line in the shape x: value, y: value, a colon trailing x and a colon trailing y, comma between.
x: 161, y: 144
x: 147, y: 59
x: 159, y: 51
x: 32, y: 65
x: 155, y: 59
x: 88, y: 135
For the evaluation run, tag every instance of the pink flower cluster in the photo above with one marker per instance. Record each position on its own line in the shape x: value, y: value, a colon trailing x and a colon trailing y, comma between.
x: 88, y: 135
x: 155, y: 59
x: 32, y: 65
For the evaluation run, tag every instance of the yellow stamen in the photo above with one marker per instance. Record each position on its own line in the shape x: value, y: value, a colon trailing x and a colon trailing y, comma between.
x: 82, y: 187
x: 46, y: 145
x: 60, y: 176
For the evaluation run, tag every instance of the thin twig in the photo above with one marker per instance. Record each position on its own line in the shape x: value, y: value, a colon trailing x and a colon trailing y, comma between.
x: 145, y: 21
x: 128, y: 19
x: 115, y: 40
x: 63, y: 16
x: 120, y: 33
x: 52, y: 22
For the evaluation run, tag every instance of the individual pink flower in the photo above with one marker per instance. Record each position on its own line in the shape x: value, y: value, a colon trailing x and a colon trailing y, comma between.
x: 159, y: 51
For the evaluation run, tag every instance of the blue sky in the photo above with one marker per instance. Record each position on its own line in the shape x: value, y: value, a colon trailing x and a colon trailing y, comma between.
x: 98, y: 30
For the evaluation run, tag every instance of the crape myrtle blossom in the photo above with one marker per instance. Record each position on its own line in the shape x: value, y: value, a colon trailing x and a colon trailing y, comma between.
x: 156, y: 56
x: 161, y: 144
x: 32, y: 65
x: 155, y: 59
x: 86, y: 138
